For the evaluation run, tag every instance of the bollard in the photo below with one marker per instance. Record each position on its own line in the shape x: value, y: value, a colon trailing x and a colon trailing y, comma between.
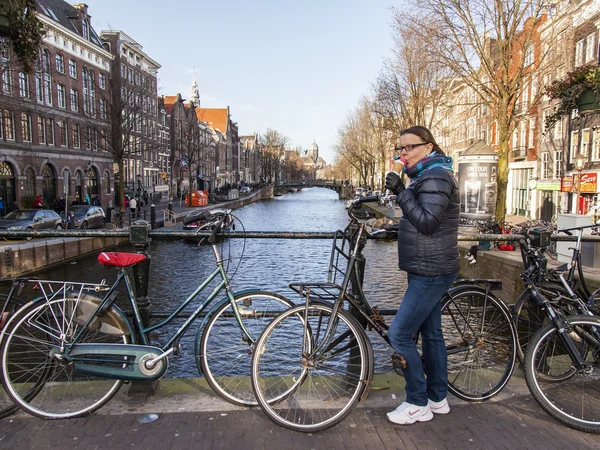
x: 152, y: 216
x: 138, y: 236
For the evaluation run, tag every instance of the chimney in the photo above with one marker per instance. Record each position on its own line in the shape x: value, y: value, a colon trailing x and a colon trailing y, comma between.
x: 82, y: 7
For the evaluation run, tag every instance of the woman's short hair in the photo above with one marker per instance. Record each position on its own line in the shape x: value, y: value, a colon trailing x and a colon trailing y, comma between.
x: 424, y: 134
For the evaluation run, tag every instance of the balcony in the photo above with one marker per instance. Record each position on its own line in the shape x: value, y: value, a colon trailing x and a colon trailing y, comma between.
x: 519, y: 152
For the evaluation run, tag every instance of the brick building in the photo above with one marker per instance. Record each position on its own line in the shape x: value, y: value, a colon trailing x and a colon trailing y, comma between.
x: 54, y: 128
x: 134, y: 118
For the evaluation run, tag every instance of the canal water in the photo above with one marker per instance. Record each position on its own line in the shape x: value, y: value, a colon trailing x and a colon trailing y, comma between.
x: 178, y: 267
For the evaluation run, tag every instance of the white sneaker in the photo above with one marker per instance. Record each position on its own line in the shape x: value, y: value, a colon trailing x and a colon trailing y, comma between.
x: 407, y: 413
x: 441, y: 407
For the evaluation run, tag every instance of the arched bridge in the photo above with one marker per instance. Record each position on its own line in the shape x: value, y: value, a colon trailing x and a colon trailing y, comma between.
x: 336, y: 185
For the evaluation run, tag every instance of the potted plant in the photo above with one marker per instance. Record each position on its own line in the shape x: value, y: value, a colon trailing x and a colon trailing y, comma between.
x: 580, y: 89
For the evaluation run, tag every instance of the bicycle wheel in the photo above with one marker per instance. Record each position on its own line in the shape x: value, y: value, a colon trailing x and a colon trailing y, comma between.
x: 36, y: 357
x: 316, y: 391
x: 8, y: 309
x: 480, y: 342
x: 574, y: 401
x: 224, y: 353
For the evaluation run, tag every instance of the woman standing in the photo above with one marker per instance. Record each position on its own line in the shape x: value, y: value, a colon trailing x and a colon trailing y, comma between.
x: 428, y: 253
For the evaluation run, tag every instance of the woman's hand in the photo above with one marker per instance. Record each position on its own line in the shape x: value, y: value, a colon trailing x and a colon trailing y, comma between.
x: 394, y: 183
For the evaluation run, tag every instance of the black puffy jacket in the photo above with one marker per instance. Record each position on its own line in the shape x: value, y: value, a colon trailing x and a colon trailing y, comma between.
x: 428, y: 232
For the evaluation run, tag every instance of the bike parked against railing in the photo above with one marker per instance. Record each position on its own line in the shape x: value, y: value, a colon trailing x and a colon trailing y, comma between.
x: 68, y: 353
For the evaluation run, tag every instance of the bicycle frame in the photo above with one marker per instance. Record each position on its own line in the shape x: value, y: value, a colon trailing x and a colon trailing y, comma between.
x: 144, y: 331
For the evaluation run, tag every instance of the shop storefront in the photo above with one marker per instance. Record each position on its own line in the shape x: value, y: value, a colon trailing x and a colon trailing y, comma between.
x: 549, y: 200
x: 588, y: 191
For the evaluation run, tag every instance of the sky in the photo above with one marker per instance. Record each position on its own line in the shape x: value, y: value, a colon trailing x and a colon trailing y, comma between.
x: 295, y: 66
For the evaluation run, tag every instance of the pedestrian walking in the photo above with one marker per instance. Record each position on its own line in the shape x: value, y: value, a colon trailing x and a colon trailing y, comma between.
x: 428, y: 253
x: 133, y: 207
x: 38, y: 202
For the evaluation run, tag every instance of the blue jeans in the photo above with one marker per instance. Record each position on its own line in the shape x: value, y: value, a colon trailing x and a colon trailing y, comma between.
x: 421, y: 310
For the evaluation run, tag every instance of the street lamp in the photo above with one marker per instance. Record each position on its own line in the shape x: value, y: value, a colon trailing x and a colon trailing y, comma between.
x: 579, y: 164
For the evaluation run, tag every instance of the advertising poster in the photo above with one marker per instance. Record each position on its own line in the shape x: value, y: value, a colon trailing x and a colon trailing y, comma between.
x: 477, y: 184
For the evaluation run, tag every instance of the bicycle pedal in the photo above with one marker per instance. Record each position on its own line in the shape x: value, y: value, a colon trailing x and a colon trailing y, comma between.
x: 176, y: 348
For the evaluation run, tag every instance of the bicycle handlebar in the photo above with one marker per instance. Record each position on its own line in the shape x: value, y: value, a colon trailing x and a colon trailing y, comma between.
x: 566, y: 230
x: 359, y: 201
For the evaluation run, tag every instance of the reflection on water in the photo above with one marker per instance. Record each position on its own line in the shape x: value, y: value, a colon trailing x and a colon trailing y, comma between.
x: 178, y: 267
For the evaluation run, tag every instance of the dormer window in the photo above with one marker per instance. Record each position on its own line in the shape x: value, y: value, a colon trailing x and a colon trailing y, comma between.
x: 85, y: 29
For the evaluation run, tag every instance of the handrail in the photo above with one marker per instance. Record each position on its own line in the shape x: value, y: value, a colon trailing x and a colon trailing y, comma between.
x: 166, y: 235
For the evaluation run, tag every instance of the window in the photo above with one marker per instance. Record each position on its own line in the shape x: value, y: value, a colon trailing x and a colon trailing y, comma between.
x: 74, y: 100
x: 558, y: 158
x: 85, y: 30
x: 123, y: 71
x: 73, y: 68
x: 596, y: 144
x: 24, y: 85
x: 579, y: 52
x: 60, y: 63
x: 62, y: 129
x: 545, y: 165
x: 103, y: 140
x: 6, y: 80
x: 102, y: 81
x: 86, y: 91
x: 47, y: 79
x: 9, y: 126
x: 50, y: 131
x: 574, y: 145
x: 26, y: 127
x: 42, y: 130
x: 62, y: 96
x: 585, y: 141
x: 590, y: 48
x: 130, y: 75
x: 529, y: 55
x: 102, y: 109
x: 30, y: 182
x: 106, y: 183
x: 531, y: 132
x: 523, y: 134
x: 137, y: 78
x: 76, y: 132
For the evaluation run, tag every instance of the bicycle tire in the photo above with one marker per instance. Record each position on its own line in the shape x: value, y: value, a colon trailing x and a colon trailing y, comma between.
x: 224, y: 354
x: 572, y: 401
x: 321, y: 391
x: 32, y: 356
x: 7, y: 311
x: 480, y: 342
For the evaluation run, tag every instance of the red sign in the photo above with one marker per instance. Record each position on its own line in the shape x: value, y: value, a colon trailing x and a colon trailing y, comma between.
x: 589, y: 182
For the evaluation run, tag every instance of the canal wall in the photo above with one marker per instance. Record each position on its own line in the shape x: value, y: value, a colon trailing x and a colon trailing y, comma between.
x: 21, y: 258
x: 17, y: 259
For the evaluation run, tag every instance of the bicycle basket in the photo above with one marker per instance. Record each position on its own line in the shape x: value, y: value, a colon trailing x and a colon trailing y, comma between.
x: 539, y: 237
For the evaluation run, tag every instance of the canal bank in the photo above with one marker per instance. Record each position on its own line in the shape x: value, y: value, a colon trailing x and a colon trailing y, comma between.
x: 20, y: 258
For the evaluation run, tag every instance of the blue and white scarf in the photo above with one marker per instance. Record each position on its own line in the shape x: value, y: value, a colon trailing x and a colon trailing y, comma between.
x: 431, y: 161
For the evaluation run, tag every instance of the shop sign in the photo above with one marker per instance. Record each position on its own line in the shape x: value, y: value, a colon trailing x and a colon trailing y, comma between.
x: 566, y: 184
x: 588, y: 182
x: 548, y: 185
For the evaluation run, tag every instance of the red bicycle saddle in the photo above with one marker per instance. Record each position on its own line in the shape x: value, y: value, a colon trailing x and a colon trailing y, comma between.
x: 120, y: 259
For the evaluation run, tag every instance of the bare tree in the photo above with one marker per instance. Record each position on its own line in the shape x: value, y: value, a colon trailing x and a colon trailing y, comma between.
x: 273, y: 144
x: 407, y: 90
x: 488, y: 46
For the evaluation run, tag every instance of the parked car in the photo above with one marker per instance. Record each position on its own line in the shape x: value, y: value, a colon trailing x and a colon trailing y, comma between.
x: 85, y: 216
x: 31, y: 219
x: 245, y: 190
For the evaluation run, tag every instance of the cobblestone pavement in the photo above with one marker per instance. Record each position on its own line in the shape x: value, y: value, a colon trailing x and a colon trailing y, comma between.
x: 513, y: 423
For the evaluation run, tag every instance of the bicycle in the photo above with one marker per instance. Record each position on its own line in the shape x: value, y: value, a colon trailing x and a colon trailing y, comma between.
x: 317, y: 360
x: 67, y: 354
